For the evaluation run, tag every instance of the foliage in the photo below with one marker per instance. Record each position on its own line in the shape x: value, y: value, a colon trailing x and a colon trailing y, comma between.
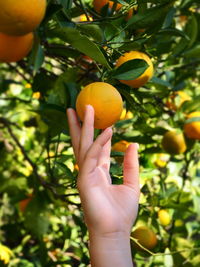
x: 35, y: 150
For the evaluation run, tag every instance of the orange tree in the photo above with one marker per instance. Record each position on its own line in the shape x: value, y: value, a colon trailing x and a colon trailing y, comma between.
x: 41, y: 219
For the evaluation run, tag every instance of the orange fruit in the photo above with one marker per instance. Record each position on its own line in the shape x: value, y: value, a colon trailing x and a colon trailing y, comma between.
x: 176, y: 100
x: 164, y: 217
x: 14, y: 48
x: 99, y: 4
x: 192, y: 129
x: 24, y: 203
x: 120, y: 146
x: 85, y: 62
x: 106, y: 101
x: 173, y: 142
x: 21, y: 17
x: 145, y: 236
x: 142, y: 79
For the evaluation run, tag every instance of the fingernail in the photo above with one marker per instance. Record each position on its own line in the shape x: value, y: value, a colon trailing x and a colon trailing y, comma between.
x: 88, y: 106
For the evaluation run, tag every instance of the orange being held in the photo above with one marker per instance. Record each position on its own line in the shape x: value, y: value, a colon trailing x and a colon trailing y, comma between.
x: 21, y: 17
x: 192, y: 127
x: 142, y: 79
x: 15, y: 48
x: 106, y: 101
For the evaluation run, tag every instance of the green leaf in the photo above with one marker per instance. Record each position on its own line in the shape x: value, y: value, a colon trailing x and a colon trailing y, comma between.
x: 130, y: 70
x: 37, y: 56
x: 194, y: 119
x: 173, y: 32
x: 152, y: 16
x: 156, y: 80
x: 55, y: 117
x: 81, y: 42
x: 36, y: 215
x: 91, y: 30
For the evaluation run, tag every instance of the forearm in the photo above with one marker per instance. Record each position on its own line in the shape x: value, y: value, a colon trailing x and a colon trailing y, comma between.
x: 108, y: 251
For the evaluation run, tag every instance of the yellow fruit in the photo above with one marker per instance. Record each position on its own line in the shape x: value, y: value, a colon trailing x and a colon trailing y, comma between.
x: 21, y: 17
x: 164, y: 217
x: 120, y: 146
x: 15, y: 48
x: 83, y: 18
x: 36, y: 95
x: 99, y: 4
x: 192, y: 129
x: 142, y: 79
x: 178, y: 223
x: 5, y: 254
x: 126, y: 115
x: 173, y: 142
x: 176, y: 100
x: 106, y: 101
x: 161, y: 160
x: 145, y: 236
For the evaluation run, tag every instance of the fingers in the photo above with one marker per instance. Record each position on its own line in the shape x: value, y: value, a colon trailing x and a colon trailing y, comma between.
x: 131, y: 167
x: 104, y: 158
x: 75, y: 130
x: 92, y: 158
x: 87, y: 133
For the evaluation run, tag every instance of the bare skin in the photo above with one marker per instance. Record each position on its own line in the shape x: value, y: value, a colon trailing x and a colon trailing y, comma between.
x: 109, y: 210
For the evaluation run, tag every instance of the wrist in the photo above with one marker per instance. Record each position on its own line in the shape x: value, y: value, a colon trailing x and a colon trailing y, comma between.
x: 110, y: 249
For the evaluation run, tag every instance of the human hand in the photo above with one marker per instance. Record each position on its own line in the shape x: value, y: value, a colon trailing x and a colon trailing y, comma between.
x: 108, y: 209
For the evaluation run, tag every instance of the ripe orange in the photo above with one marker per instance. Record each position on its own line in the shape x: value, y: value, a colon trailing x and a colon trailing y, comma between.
x: 173, y: 142
x: 120, y: 146
x: 164, y: 217
x: 99, y: 4
x: 176, y: 100
x: 21, y: 17
x: 192, y: 129
x: 106, y: 101
x: 145, y: 236
x: 145, y: 77
x: 14, y: 48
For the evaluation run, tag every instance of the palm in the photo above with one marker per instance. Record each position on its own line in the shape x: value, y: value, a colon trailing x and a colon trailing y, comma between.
x: 108, y: 208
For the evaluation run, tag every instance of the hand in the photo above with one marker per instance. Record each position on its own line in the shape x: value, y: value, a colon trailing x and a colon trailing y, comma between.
x: 108, y: 209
